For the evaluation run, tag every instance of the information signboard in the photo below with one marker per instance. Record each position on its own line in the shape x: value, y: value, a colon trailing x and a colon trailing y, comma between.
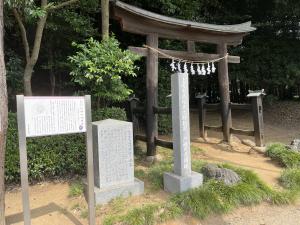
x: 54, y: 115
x: 45, y: 116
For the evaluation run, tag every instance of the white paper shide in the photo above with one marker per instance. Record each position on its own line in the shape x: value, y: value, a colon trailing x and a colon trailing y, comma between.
x: 54, y: 115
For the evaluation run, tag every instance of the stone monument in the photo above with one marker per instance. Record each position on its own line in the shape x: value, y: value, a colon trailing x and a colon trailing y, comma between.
x: 114, y: 161
x: 182, y: 178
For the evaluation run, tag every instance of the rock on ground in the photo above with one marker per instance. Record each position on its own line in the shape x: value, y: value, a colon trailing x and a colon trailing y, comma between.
x: 248, y: 143
x: 225, y: 146
x: 235, y: 140
x: 295, y: 145
x: 261, y: 150
x: 228, y: 176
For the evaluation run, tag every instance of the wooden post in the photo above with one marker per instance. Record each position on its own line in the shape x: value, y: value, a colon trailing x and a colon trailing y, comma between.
x: 135, y: 122
x: 105, y: 18
x: 258, y: 122
x: 201, y: 99
x: 224, y: 92
x: 152, y: 92
x: 191, y: 46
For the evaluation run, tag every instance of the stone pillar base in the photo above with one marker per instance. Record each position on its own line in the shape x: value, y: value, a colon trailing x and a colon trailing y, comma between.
x: 176, y: 184
x: 103, y: 196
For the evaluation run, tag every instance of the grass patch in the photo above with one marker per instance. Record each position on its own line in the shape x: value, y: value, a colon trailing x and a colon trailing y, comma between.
x: 214, y: 197
x: 155, y: 173
x: 84, y: 214
x: 279, y: 153
x: 290, y: 179
x: 284, y: 197
x: 76, y: 189
x: 197, y: 165
x: 146, y: 215
x: 196, y: 150
x: 118, y: 205
x: 139, y: 153
x: 75, y: 207
x: 165, y: 153
x: 201, y: 202
x: 140, y: 174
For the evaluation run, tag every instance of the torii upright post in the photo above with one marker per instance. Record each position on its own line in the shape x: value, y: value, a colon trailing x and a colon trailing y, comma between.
x: 152, y: 93
x: 224, y: 91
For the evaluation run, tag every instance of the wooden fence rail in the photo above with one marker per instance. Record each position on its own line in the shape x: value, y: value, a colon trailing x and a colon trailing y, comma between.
x: 203, y: 107
x: 158, y: 142
x: 257, y: 113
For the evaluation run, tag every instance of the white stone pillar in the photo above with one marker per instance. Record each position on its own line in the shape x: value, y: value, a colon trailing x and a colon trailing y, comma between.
x: 183, y: 178
x: 181, y: 124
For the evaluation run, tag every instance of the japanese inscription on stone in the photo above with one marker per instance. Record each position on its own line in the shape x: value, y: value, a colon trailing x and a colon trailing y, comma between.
x: 183, y: 88
x: 181, y: 124
x: 115, y: 153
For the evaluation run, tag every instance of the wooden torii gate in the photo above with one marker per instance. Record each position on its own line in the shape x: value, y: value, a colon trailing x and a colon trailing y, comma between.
x: 155, y: 26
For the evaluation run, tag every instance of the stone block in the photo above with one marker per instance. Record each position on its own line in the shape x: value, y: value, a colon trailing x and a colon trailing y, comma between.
x: 105, y: 195
x: 114, y: 161
x: 176, y: 184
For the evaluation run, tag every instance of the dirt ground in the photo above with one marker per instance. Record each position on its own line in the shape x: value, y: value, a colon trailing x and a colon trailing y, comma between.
x: 50, y: 204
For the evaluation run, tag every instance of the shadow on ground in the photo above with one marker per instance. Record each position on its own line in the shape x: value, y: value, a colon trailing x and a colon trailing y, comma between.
x: 41, y: 211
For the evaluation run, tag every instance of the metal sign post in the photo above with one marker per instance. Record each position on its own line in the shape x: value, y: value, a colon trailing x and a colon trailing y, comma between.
x: 46, y: 116
x: 23, y: 158
x: 90, y: 164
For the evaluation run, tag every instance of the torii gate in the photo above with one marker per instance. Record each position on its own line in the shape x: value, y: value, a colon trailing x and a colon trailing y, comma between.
x: 155, y: 26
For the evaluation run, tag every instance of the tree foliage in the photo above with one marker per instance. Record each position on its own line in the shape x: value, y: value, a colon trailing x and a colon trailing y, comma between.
x: 269, y: 56
x: 99, y: 67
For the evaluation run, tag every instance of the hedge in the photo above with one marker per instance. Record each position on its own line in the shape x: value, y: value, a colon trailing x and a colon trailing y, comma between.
x: 51, y: 157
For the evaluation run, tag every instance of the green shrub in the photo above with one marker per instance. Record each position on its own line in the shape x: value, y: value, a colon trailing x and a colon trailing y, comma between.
x: 164, y: 124
x: 112, y: 113
x: 50, y: 157
x: 282, y: 155
x: 100, y: 66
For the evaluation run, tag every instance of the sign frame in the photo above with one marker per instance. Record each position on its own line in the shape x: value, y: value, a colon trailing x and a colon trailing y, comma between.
x: 24, y: 162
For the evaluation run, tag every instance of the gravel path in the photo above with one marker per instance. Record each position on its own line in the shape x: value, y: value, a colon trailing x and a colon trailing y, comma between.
x: 263, y: 214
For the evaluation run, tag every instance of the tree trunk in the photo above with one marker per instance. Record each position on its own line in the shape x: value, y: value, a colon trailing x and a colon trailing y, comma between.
x: 52, y: 81
x: 51, y: 70
x: 59, y: 84
x: 32, y: 58
x: 105, y: 18
x: 27, y: 79
x: 3, y: 118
